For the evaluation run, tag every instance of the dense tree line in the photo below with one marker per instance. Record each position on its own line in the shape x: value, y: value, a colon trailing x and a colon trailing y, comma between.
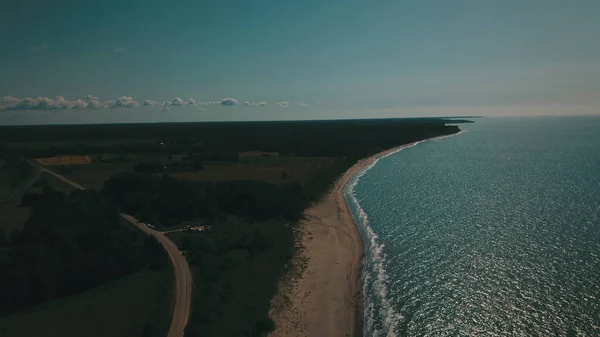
x: 236, y: 269
x: 70, y: 244
x: 167, y: 201
x: 220, y: 141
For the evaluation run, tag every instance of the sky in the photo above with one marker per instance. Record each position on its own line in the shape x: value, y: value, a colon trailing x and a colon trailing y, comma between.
x: 125, y: 61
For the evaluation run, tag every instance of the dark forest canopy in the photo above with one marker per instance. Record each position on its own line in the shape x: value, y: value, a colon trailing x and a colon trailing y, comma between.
x: 351, y: 138
x: 70, y: 244
x: 25, y: 133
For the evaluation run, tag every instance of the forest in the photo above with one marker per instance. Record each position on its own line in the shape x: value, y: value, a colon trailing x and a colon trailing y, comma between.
x: 238, y: 263
x: 353, y: 139
x: 166, y: 201
x: 69, y: 244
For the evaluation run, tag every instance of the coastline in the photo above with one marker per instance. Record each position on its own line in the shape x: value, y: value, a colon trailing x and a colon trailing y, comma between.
x: 311, y: 301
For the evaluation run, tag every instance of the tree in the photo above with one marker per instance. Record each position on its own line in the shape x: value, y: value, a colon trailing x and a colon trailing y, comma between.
x: 69, y: 244
x: 2, y: 238
x: 185, y: 243
x: 148, y: 328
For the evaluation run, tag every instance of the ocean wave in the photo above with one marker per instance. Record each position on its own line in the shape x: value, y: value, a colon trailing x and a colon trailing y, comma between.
x: 374, y: 266
x: 374, y: 272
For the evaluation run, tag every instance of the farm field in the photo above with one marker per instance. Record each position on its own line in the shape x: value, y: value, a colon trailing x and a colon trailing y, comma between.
x: 64, y: 160
x: 273, y: 169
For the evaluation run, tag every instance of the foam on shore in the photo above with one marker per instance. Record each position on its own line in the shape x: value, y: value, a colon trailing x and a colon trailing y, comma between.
x: 374, y: 274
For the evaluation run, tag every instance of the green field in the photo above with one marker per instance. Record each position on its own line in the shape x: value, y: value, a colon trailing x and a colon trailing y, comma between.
x: 13, y: 216
x: 119, y: 308
x: 274, y: 169
x: 93, y: 175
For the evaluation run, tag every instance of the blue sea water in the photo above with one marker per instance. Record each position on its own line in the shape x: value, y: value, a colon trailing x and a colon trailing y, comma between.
x: 491, y: 232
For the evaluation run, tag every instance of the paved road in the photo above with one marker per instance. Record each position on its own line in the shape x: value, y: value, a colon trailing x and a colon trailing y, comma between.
x: 183, y: 276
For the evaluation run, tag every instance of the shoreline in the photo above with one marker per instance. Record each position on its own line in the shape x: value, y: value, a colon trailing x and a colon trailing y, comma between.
x: 313, y: 302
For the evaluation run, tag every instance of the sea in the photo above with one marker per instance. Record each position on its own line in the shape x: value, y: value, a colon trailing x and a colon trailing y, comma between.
x: 494, y: 231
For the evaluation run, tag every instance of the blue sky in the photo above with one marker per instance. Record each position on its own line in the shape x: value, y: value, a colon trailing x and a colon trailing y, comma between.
x: 326, y: 59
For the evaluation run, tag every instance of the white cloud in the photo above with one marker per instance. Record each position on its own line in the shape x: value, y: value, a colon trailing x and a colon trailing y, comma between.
x: 93, y: 102
x: 177, y: 101
x: 303, y: 105
x: 9, y: 101
x: 40, y: 48
x: 150, y: 102
x: 43, y: 103
x: 229, y: 101
x: 203, y: 105
x: 124, y: 102
x: 118, y: 50
x: 96, y: 105
x: 247, y: 103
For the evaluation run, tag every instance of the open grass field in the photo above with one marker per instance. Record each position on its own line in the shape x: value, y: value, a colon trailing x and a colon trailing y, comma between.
x: 94, y: 175
x: 117, y: 309
x: 13, y: 216
x: 56, y: 183
x: 273, y: 169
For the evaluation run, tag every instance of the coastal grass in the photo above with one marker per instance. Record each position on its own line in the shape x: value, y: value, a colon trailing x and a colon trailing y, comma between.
x: 135, y: 305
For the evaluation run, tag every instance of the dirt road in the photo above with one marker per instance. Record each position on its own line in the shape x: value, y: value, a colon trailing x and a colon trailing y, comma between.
x: 183, y: 276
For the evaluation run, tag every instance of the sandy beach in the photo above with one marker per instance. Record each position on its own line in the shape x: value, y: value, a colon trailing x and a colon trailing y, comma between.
x: 324, y: 297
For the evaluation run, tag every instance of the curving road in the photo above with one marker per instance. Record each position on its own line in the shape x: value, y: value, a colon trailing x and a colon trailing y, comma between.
x: 183, y: 276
